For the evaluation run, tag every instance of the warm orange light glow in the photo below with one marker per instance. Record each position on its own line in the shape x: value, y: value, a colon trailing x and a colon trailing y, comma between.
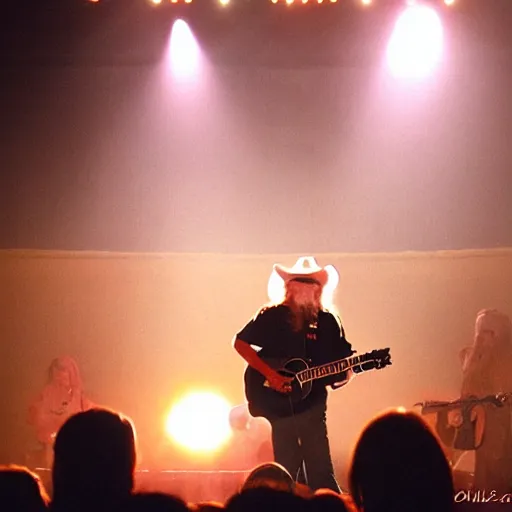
x: 304, y: 1
x: 156, y: 2
x: 449, y: 2
x: 274, y: 1
x: 188, y: 1
x: 320, y: 1
x: 199, y: 422
x: 224, y: 2
x: 289, y: 2
x: 366, y: 2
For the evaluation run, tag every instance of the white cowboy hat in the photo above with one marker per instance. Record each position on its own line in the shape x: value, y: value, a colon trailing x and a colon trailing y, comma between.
x: 305, y: 267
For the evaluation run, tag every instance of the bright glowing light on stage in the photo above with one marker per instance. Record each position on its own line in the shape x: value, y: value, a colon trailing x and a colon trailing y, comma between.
x: 224, y: 2
x: 184, y: 52
x: 330, y: 287
x: 416, y: 44
x: 366, y: 2
x: 449, y: 2
x: 200, y: 422
x: 275, y: 288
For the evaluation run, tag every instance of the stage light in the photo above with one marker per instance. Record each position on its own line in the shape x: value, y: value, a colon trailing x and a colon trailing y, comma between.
x: 188, y: 1
x: 304, y: 1
x: 289, y: 2
x: 174, y: 1
x: 416, y: 44
x: 449, y: 2
x: 199, y: 422
x: 366, y: 2
x: 224, y: 2
x: 320, y: 1
x: 156, y: 2
x: 275, y: 288
x: 185, y: 54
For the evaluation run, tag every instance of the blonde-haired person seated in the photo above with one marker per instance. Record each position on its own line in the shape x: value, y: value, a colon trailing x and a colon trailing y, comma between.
x: 61, y: 397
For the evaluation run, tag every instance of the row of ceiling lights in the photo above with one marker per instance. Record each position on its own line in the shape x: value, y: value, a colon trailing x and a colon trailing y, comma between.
x: 288, y: 2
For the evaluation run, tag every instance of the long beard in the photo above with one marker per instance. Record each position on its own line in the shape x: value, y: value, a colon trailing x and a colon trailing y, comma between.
x: 302, y: 315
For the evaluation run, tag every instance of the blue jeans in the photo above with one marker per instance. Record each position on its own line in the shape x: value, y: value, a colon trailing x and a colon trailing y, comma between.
x: 301, y: 445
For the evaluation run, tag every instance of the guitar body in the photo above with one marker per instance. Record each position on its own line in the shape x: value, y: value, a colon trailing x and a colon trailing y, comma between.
x: 264, y: 401
x: 269, y: 403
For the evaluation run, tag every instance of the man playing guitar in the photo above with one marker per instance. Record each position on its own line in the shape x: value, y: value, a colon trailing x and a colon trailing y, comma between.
x: 299, y: 326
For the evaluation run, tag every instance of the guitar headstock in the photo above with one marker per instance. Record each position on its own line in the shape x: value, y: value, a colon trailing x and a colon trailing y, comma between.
x: 381, y: 358
x: 500, y: 399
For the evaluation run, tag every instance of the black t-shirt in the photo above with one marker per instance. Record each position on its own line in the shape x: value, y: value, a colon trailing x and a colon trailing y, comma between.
x: 271, y: 331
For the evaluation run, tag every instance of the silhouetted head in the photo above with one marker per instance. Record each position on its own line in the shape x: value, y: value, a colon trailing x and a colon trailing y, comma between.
x: 265, y: 498
x: 20, y: 489
x: 270, y: 474
x: 94, y: 459
x: 326, y: 500
x: 154, y: 502
x: 398, y: 464
x: 207, y: 506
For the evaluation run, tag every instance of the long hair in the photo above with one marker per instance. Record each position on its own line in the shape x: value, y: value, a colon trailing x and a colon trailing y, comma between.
x: 71, y: 366
x: 484, y: 365
x: 280, y: 293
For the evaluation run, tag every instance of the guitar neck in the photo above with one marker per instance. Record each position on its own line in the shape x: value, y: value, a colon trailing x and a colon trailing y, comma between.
x: 334, y: 368
x: 435, y: 406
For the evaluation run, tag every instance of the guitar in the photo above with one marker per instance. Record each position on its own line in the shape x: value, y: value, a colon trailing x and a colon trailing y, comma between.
x: 468, y: 434
x: 268, y: 403
x: 431, y: 406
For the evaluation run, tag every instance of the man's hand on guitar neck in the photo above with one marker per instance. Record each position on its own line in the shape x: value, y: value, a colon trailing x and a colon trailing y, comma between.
x: 279, y: 382
x: 349, y: 375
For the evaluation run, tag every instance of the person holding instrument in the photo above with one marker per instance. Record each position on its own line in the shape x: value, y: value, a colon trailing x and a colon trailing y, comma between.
x: 483, y: 423
x: 299, y: 326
